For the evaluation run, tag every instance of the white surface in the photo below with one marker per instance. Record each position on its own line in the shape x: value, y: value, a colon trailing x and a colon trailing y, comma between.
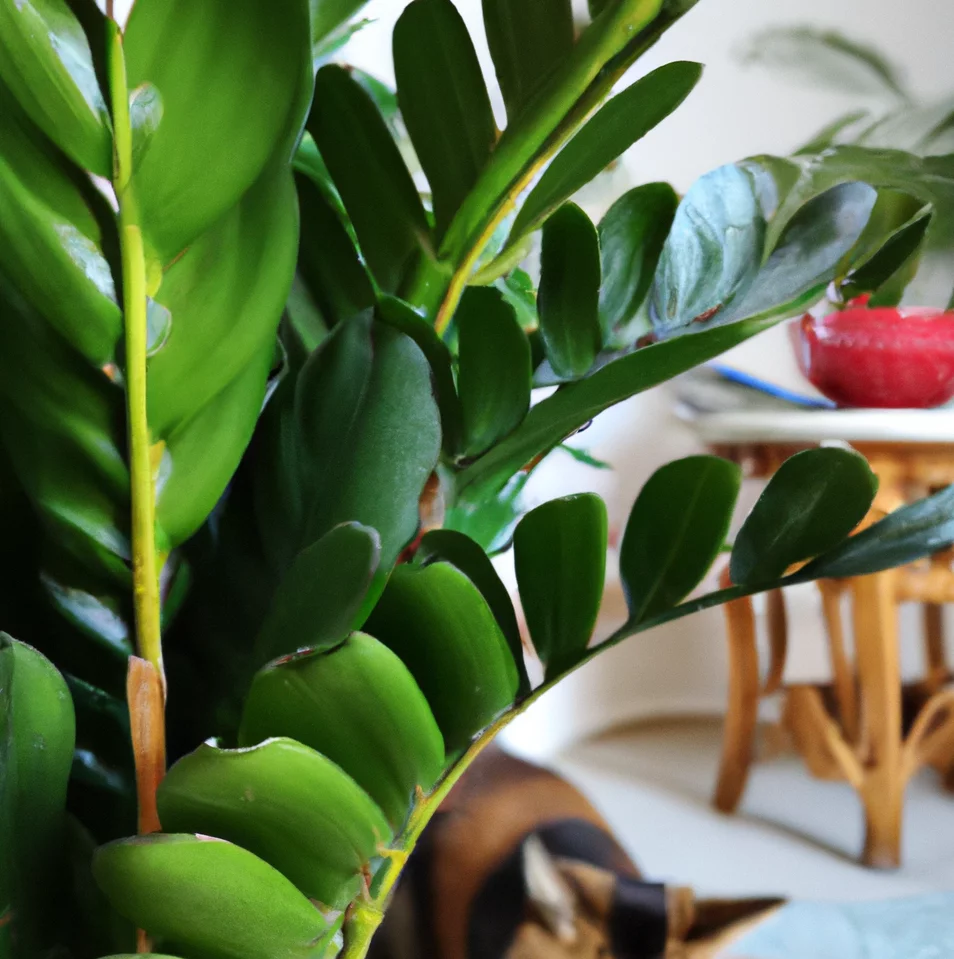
x: 794, y: 835
x: 851, y: 426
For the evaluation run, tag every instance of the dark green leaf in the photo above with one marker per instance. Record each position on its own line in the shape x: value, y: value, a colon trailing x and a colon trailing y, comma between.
x: 359, y: 706
x: 45, y: 60
x: 574, y: 405
x: 461, y: 551
x: 814, y: 500
x: 560, y: 556
x: 440, y: 625
x: 568, y: 299
x: 377, y: 190
x: 328, y: 261
x: 403, y: 317
x: 904, y: 536
x: 322, y: 597
x: 494, y: 368
x: 528, y: 42
x: 233, y: 72
x: 632, y: 234
x: 284, y: 802
x: 628, y: 117
x: 443, y: 100
x: 213, y: 899
x: 675, y: 531
x: 713, y: 251
x: 353, y: 439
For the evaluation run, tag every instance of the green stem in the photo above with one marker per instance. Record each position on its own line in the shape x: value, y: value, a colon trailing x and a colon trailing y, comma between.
x: 142, y: 485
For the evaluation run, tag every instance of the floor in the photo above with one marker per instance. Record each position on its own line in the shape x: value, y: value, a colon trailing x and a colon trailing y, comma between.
x: 793, y: 835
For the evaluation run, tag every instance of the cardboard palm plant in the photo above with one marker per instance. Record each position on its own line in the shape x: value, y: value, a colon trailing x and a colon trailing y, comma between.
x: 252, y: 529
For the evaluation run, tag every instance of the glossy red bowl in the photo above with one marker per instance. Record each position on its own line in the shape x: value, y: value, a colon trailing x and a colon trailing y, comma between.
x: 886, y: 357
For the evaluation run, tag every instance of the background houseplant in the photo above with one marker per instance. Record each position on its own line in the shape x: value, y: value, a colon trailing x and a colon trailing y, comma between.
x: 151, y: 181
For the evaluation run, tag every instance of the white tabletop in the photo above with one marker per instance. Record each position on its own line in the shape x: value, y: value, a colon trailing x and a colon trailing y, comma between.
x: 816, y: 426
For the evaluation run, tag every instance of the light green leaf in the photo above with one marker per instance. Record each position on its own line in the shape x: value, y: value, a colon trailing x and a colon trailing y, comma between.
x: 814, y: 500
x: 568, y: 298
x: 528, y: 43
x: 675, y: 531
x: 628, y: 117
x: 493, y: 376
x: 284, y: 802
x: 560, y: 556
x: 328, y: 15
x: 359, y: 706
x: 45, y: 60
x: 440, y: 625
x: 233, y: 72
x: 213, y: 899
x: 443, y: 100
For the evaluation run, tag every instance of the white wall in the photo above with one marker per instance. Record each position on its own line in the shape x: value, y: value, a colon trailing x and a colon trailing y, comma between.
x: 733, y: 113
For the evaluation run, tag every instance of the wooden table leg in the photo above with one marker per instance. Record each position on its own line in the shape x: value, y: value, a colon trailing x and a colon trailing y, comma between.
x: 738, y: 737
x: 843, y: 675
x: 879, y: 677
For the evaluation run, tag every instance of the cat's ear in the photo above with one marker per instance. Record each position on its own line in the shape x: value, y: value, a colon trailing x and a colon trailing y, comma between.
x: 550, y: 895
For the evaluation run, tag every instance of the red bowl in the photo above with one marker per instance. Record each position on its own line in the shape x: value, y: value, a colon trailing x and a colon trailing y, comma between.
x: 886, y: 357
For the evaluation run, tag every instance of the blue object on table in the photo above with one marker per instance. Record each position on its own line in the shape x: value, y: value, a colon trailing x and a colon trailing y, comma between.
x: 919, y: 927
x: 764, y: 386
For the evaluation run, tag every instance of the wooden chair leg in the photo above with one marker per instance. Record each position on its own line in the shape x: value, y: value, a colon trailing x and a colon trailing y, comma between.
x: 879, y: 677
x: 846, y: 696
x: 935, y: 655
x: 738, y: 737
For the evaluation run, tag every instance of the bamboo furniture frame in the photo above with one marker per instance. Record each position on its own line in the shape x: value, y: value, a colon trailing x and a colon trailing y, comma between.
x: 866, y: 728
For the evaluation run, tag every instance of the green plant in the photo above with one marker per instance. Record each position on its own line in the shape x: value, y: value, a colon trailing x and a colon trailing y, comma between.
x: 265, y: 414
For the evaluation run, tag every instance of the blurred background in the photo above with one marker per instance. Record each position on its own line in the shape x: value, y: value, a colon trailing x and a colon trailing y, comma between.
x: 653, y: 779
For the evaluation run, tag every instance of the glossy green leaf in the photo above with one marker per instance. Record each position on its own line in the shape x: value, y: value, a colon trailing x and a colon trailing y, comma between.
x: 51, y: 238
x: 461, y: 551
x: 45, y: 60
x: 284, y: 802
x: 37, y: 733
x: 403, y: 317
x: 568, y: 298
x: 558, y: 416
x: 519, y: 291
x: 675, y: 531
x: 235, y: 72
x: 328, y: 15
x: 443, y: 100
x: 628, y: 117
x: 632, y: 234
x: 528, y: 43
x: 908, y: 534
x: 489, y: 518
x: 493, y: 376
x: 328, y: 261
x: 441, y: 626
x: 581, y: 81
x: 560, y: 556
x: 811, y: 503
x: 713, y: 250
x: 374, y: 183
x: 353, y: 439
x: 359, y: 706
x: 321, y: 599
x: 213, y: 899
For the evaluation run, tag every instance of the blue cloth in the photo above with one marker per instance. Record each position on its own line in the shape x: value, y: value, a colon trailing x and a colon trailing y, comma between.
x: 921, y: 927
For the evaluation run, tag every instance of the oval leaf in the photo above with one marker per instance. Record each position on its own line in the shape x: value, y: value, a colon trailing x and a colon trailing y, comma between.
x: 359, y: 706
x: 813, y: 501
x: 675, y: 530
x: 443, y: 100
x: 321, y: 599
x: 209, y: 897
x: 494, y: 368
x: 627, y: 117
x: 284, y: 802
x: 632, y: 234
x: 568, y: 300
x: 461, y: 551
x: 560, y: 556
x: 436, y: 620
